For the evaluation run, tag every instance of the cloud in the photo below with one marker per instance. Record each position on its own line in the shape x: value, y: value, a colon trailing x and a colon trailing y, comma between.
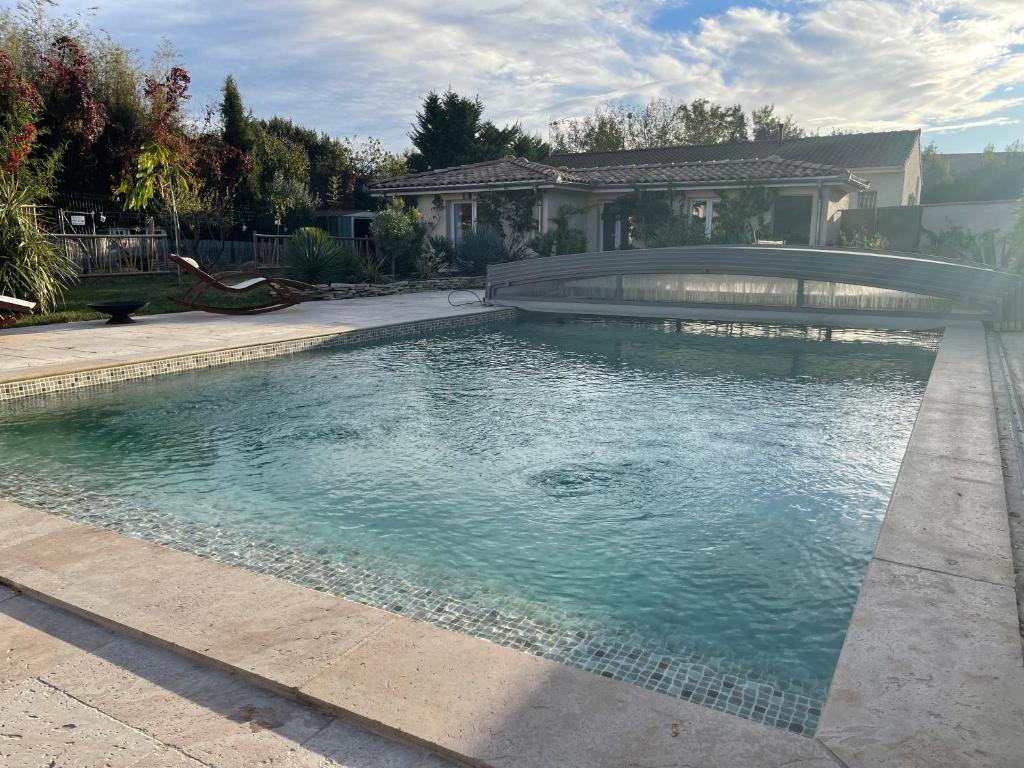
x: 363, y: 67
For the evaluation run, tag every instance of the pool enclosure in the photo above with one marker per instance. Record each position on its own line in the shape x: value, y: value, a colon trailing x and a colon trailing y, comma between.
x: 778, y: 278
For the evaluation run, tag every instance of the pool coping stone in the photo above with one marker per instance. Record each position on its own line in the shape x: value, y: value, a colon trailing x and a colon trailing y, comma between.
x: 462, y: 697
x: 931, y: 672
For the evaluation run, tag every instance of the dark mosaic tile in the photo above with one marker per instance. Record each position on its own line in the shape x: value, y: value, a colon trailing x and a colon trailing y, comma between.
x: 679, y: 674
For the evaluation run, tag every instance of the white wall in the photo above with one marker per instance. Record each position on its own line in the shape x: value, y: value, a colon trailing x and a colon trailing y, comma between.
x: 434, y: 218
x: 837, y: 203
x: 912, y: 178
x: 888, y: 185
x: 896, y: 186
x: 976, y: 217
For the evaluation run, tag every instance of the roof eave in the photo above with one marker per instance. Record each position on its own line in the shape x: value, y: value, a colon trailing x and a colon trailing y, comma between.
x: 797, y: 181
x: 438, y: 189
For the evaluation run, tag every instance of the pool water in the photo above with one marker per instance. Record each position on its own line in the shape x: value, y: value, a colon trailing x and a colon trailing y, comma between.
x: 680, y: 485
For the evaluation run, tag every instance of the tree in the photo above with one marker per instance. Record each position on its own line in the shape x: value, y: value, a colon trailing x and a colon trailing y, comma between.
x: 237, y: 129
x: 767, y: 124
x: 998, y: 175
x: 73, y: 117
x: 659, y: 123
x: 399, y: 230
x: 704, y: 122
x: 450, y: 130
x: 603, y: 131
x: 280, y: 182
x: 163, y: 167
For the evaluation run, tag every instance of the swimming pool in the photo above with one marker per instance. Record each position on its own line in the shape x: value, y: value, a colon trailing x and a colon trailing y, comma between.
x: 662, y: 502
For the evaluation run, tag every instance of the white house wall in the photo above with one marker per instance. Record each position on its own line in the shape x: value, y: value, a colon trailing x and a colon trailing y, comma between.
x: 824, y: 230
x: 912, y: 176
x: 887, y: 184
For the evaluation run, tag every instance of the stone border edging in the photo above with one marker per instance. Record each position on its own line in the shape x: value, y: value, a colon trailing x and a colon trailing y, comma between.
x: 931, y: 673
x: 459, y: 696
x: 79, y: 378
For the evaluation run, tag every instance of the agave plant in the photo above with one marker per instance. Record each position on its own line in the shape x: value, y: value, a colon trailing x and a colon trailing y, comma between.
x: 313, y: 257
x: 33, y: 266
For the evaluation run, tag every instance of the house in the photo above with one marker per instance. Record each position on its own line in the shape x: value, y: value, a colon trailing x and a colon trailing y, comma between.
x: 344, y: 223
x: 815, y: 179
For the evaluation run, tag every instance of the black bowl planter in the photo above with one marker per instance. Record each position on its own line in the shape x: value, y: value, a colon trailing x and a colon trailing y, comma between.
x: 119, y: 311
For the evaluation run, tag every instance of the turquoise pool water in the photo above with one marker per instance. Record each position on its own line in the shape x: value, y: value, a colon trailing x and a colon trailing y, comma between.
x: 679, y: 485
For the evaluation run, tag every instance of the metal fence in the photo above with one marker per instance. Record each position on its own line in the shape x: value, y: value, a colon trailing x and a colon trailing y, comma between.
x: 116, y: 254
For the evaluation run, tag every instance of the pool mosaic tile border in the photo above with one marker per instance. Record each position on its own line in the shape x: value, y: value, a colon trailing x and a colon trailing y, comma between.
x: 65, y: 382
x: 688, y: 675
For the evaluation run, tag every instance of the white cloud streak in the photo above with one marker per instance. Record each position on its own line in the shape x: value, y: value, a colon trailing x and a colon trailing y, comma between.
x: 357, y: 67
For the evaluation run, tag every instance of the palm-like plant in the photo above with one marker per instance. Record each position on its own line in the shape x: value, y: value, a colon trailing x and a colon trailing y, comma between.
x: 313, y: 257
x: 33, y: 266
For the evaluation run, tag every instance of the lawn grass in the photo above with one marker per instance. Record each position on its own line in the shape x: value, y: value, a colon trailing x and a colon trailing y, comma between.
x: 155, y: 289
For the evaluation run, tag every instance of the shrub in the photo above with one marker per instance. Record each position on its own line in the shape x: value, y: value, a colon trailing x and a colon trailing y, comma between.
x: 677, y: 230
x: 313, y: 257
x: 563, y: 238
x: 429, y: 262
x: 443, y: 247
x: 861, y: 238
x: 398, y: 231
x: 476, y: 249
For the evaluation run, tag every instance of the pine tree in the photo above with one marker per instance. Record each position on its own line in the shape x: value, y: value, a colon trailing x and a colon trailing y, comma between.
x: 449, y: 131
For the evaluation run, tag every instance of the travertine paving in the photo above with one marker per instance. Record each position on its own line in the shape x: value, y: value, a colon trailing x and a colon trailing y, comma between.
x: 73, y: 693
x: 931, y: 673
x: 464, y: 696
x: 48, y: 349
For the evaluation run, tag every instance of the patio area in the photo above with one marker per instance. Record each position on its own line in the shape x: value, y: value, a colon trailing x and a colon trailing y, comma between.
x: 71, y: 347
x: 75, y: 693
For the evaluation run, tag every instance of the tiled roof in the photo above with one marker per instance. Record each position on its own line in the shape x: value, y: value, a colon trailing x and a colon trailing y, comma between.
x: 518, y: 170
x: 503, y: 171
x: 851, y: 150
x: 765, y: 169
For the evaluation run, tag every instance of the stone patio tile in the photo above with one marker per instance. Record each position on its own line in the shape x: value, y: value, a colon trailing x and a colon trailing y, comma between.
x: 261, y: 625
x: 930, y: 675
x: 956, y: 431
x: 353, y: 747
x: 43, y: 727
x: 956, y: 385
x: 504, y: 708
x: 19, y: 524
x: 207, y: 713
x: 35, y: 638
x: 78, y: 346
x: 950, y: 516
x: 167, y: 757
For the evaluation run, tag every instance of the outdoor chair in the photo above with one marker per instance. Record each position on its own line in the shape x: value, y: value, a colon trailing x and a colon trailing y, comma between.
x: 284, y: 292
x: 12, y: 310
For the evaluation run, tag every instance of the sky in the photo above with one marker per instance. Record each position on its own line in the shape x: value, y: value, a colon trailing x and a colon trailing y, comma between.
x: 361, y: 67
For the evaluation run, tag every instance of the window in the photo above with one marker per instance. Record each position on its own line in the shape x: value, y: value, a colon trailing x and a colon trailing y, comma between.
x: 614, y: 232
x: 463, y: 218
x: 867, y: 198
x: 703, y: 211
